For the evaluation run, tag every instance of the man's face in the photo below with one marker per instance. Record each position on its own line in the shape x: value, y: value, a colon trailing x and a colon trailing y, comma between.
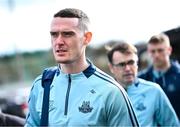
x: 159, y: 53
x: 124, y: 67
x: 68, y: 41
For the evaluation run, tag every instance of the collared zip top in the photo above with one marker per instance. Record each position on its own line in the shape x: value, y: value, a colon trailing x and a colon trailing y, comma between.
x: 88, y: 98
x: 67, y: 95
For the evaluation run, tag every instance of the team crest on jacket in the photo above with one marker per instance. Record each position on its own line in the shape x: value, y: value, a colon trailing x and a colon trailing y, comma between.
x: 85, y: 107
x: 140, y: 105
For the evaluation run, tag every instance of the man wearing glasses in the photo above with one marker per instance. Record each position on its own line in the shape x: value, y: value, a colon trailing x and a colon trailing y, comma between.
x: 163, y: 71
x: 150, y: 103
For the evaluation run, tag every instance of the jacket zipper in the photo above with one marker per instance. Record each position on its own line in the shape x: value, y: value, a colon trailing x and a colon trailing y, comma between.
x: 67, y: 95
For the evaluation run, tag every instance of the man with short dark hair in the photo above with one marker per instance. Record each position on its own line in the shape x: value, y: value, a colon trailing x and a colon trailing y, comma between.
x: 150, y: 103
x: 163, y: 71
x: 80, y: 93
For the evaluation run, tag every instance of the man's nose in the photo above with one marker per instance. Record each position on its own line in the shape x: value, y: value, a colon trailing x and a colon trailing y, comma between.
x: 59, y: 39
x: 126, y: 67
x: 156, y: 54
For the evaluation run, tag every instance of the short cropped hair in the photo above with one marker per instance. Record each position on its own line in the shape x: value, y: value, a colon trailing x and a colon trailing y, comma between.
x: 75, y: 13
x: 123, y: 47
x: 159, y: 39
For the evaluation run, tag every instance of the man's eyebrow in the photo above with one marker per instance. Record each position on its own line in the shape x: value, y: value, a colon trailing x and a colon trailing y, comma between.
x: 61, y: 31
x: 67, y: 31
x: 52, y: 32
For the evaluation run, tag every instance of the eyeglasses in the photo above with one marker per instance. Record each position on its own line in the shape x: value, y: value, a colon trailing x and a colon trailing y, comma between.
x: 123, y: 64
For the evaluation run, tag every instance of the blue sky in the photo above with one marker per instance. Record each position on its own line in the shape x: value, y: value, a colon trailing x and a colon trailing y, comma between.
x: 25, y: 27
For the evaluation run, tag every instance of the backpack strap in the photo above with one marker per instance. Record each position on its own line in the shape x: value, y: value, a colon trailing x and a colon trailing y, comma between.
x: 47, y: 78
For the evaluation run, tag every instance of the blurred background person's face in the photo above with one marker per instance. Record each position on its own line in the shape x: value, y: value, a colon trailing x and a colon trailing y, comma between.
x: 124, y: 68
x: 159, y: 53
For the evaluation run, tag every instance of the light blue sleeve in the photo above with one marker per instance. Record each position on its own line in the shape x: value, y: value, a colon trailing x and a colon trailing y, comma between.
x: 33, y: 119
x: 119, y: 110
x: 165, y: 114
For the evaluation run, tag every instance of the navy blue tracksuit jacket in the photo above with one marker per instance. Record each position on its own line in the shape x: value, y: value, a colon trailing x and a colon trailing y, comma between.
x: 169, y: 81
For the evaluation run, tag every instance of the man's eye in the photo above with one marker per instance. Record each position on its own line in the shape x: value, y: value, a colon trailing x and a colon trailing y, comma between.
x: 54, y: 34
x: 67, y: 34
x: 131, y: 62
x: 122, y: 64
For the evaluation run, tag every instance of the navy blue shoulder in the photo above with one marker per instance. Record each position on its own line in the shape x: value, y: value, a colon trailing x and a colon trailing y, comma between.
x: 145, y: 73
x: 90, y: 70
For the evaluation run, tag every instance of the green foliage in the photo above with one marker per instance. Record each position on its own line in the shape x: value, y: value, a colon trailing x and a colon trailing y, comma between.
x: 27, y: 66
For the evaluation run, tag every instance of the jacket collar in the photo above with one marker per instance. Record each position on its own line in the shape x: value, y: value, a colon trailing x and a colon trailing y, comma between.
x: 90, y: 70
x: 175, y: 68
x: 87, y: 72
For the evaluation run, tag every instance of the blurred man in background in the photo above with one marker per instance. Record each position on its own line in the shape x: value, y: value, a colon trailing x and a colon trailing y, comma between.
x: 151, y: 105
x: 163, y: 71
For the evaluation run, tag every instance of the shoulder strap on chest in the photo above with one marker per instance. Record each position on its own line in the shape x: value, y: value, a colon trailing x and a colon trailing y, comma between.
x: 47, y: 78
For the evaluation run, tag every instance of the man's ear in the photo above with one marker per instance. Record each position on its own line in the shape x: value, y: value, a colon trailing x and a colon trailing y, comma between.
x: 170, y: 50
x: 87, y: 37
x: 110, y: 68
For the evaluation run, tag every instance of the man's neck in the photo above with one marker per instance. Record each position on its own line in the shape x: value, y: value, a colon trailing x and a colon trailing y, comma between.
x: 163, y: 68
x: 125, y: 86
x: 75, y: 67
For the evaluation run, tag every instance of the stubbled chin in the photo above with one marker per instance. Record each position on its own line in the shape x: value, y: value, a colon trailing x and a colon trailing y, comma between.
x: 62, y: 60
x: 129, y: 82
x: 129, y: 79
x: 159, y: 64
